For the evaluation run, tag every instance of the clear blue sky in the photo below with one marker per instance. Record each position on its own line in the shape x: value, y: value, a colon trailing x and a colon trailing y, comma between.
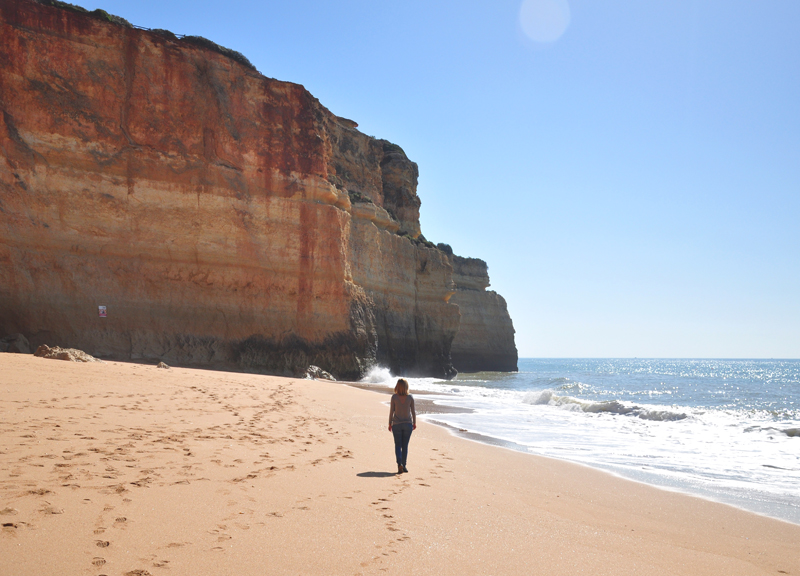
x: 634, y: 184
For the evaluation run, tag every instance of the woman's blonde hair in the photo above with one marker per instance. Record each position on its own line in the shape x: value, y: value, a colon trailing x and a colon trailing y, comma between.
x: 401, y: 387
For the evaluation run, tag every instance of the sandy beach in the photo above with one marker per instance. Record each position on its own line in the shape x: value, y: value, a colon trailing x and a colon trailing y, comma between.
x: 128, y: 469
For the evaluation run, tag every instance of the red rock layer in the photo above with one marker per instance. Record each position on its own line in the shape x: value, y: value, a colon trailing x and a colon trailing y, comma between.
x: 208, y: 208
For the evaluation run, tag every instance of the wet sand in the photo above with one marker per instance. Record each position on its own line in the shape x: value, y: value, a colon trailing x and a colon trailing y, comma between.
x: 126, y: 469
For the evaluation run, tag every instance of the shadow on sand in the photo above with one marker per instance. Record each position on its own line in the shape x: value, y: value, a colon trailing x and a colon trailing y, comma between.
x: 376, y: 474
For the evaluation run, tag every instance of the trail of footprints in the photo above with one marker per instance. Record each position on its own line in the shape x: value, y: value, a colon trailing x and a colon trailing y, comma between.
x: 384, y: 508
x: 117, y: 466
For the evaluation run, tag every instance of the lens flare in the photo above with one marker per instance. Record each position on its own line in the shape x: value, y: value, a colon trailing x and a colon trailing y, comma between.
x: 544, y: 20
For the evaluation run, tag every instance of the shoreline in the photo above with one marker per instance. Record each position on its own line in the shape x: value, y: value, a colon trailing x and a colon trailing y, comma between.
x: 519, y: 448
x: 651, y: 480
x: 759, y: 498
x: 125, y: 469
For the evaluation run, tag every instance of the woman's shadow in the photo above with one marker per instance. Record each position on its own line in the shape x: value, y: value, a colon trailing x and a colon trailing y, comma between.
x: 376, y: 474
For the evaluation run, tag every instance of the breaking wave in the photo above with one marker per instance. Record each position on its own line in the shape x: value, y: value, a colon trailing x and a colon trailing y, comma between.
x: 790, y: 432
x: 549, y: 398
x: 377, y: 375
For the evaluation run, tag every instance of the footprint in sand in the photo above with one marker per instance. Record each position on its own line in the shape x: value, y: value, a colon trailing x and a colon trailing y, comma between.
x: 102, y: 543
x: 98, y: 561
x: 52, y: 510
x: 39, y: 492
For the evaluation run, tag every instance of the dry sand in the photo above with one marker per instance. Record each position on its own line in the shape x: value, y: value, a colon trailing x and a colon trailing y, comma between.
x: 125, y: 469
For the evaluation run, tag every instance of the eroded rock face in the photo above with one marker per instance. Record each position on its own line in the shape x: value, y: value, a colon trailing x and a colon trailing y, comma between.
x: 485, y: 339
x: 206, y: 207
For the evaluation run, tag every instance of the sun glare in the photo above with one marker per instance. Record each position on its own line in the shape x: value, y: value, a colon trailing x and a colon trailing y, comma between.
x: 544, y: 20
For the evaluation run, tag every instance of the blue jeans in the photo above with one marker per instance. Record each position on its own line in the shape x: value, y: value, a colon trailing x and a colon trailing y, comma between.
x: 402, y: 434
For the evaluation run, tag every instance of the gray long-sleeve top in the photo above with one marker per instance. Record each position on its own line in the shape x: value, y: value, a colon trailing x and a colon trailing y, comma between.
x: 401, y: 410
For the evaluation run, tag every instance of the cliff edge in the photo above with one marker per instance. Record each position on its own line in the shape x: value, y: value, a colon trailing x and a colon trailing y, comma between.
x: 162, y: 200
x: 485, y: 338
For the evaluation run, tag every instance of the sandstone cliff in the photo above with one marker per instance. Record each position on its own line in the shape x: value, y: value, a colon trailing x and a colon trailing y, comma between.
x: 222, y: 218
x: 485, y: 338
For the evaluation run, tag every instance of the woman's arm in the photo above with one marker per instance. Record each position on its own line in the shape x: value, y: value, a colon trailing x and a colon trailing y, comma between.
x: 391, y: 413
x: 413, y: 415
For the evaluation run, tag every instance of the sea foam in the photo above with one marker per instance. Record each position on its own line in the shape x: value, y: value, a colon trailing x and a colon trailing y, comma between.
x: 378, y: 375
x: 724, y: 429
x: 548, y: 397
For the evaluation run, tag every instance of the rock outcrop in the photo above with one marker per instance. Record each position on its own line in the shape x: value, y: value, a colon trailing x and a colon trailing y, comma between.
x: 68, y: 354
x: 161, y: 199
x: 15, y: 344
x: 317, y: 373
x: 485, y: 338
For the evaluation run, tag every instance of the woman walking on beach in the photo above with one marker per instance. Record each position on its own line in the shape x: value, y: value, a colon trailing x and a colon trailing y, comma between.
x: 402, y: 420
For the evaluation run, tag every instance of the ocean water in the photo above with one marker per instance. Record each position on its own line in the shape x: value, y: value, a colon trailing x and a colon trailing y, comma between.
x: 726, y: 430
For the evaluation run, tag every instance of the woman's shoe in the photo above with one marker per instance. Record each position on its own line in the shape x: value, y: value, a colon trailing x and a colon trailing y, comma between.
x: 405, y: 469
x: 400, y: 469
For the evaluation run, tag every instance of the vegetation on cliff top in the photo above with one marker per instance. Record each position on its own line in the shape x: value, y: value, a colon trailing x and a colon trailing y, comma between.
x: 165, y: 33
x: 99, y: 14
x: 422, y: 241
x: 196, y: 40
x: 419, y: 240
x: 232, y: 54
x: 390, y: 148
x: 446, y: 248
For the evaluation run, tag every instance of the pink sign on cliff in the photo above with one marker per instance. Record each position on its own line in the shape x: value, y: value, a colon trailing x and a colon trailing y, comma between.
x: 101, y: 311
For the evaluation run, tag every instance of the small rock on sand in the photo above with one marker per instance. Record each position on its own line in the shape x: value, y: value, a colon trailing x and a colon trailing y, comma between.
x: 161, y: 365
x: 317, y: 373
x: 68, y: 354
